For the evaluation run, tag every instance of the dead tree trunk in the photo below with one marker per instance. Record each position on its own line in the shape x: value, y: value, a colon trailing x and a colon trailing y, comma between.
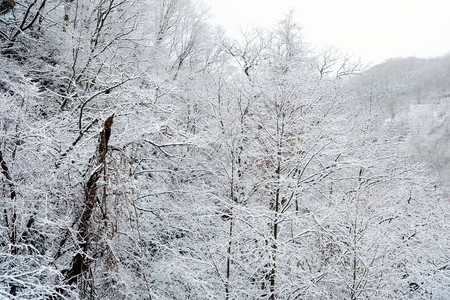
x: 12, y: 196
x: 80, y: 262
x: 10, y: 223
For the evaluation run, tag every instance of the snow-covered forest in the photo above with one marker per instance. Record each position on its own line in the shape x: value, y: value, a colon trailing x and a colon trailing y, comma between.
x: 145, y: 155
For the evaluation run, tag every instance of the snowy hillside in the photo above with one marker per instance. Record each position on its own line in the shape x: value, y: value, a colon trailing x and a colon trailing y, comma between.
x: 146, y: 156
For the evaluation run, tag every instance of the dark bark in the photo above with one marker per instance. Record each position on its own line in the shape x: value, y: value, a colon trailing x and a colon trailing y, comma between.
x: 12, y: 196
x: 81, y: 262
x: 24, y: 26
x: 5, y: 172
x: 6, y: 6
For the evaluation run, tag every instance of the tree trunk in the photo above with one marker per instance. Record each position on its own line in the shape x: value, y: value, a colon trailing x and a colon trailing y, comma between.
x: 272, y: 273
x: 80, y: 262
x: 12, y: 196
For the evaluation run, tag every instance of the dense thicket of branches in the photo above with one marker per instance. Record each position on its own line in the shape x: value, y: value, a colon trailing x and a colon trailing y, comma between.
x: 145, y: 156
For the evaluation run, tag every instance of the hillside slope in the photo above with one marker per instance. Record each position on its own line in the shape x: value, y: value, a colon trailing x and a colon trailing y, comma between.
x: 414, y: 94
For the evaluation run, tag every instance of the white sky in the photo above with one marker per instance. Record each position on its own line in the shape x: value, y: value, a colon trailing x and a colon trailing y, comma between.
x: 371, y: 29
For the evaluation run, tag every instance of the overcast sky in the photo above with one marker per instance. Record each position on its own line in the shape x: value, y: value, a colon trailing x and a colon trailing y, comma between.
x: 371, y: 29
